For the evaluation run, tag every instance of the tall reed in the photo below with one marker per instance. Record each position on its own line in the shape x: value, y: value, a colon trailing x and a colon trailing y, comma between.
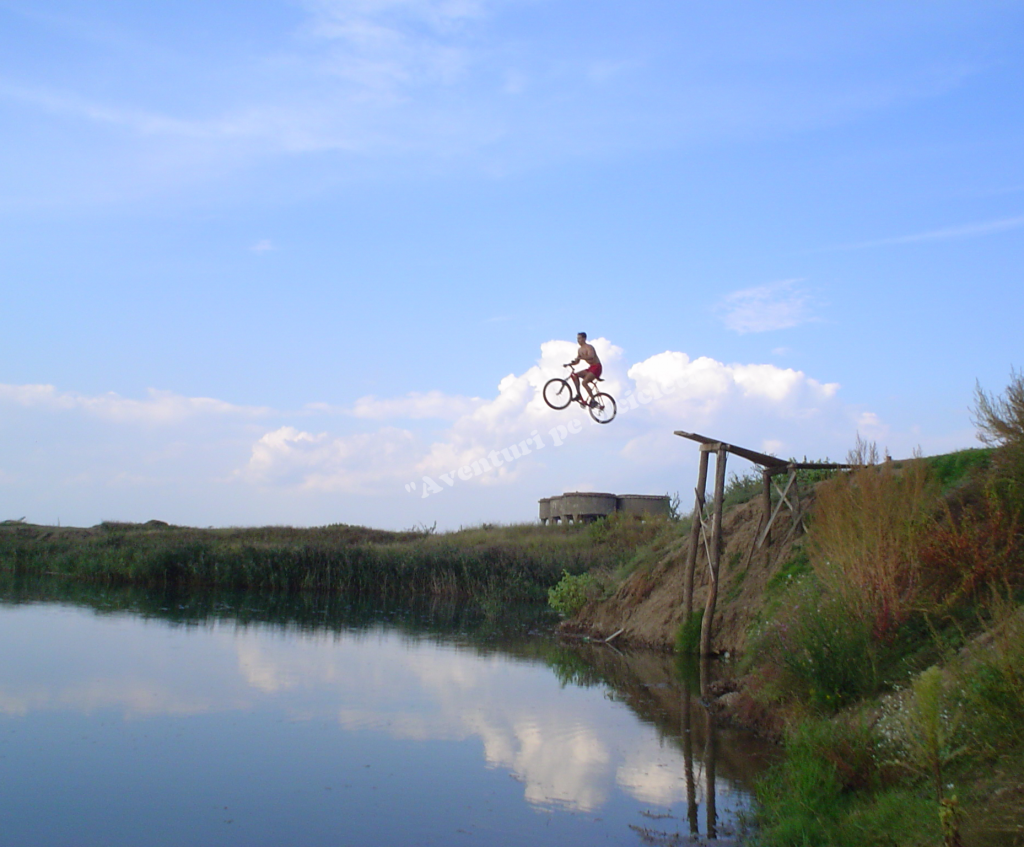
x: 865, y: 539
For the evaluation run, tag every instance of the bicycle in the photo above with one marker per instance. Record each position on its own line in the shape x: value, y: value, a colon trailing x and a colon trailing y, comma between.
x: 558, y: 394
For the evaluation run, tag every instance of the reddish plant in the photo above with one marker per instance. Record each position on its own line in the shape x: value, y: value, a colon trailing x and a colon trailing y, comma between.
x: 979, y: 548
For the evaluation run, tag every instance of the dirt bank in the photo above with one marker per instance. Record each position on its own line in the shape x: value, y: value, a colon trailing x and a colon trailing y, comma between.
x: 648, y: 606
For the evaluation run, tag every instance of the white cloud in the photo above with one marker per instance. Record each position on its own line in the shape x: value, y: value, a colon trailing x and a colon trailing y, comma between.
x: 356, y: 464
x: 780, y: 409
x: 515, y: 413
x: 161, y: 407
x: 498, y: 441
x: 416, y: 405
x: 164, y: 446
x: 702, y: 386
x: 778, y: 305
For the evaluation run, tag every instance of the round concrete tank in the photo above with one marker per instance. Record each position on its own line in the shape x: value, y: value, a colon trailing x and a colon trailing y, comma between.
x: 545, y: 509
x: 587, y: 505
x: 644, y: 504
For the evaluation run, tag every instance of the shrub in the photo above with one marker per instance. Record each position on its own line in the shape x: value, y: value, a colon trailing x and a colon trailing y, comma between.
x: 688, y: 634
x: 980, y: 547
x: 866, y: 532
x: 926, y: 728
x: 570, y: 594
x: 1000, y: 421
x: 994, y: 686
x: 829, y: 656
x: 741, y: 489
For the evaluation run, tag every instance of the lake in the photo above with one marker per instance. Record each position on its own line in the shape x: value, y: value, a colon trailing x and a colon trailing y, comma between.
x: 129, y: 718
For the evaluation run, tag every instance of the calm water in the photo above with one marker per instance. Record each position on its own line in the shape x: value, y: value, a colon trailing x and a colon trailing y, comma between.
x: 127, y: 719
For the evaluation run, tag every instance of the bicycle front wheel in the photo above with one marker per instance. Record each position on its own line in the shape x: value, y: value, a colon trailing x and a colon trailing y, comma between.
x: 603, y: 409
x: 557, y: 393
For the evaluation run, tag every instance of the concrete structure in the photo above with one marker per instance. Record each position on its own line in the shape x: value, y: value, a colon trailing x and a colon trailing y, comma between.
x: 585, y: 506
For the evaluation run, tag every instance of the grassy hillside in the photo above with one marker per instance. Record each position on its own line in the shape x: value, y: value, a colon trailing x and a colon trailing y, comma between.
x: 892, y: 656
x: 885, y: 649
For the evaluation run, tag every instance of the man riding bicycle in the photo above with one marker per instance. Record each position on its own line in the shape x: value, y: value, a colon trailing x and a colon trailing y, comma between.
x: 587, y: 354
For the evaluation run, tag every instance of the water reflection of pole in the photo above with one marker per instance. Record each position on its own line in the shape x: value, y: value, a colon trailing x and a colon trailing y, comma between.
x: 691, y: 787
x: 710, y: 746
x: 710, y: 760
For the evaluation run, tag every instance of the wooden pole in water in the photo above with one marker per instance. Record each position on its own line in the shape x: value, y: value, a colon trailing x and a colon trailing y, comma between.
x: 691, y: 556
x: 716, y: 551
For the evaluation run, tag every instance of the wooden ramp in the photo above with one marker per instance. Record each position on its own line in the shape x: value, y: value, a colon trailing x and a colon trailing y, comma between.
x: 707, y: 529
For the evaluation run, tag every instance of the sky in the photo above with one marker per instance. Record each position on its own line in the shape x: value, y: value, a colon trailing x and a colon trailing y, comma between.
x: 302, y: 261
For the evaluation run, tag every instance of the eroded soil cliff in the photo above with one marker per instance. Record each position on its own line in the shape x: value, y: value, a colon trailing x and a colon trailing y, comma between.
x: 648, y: 605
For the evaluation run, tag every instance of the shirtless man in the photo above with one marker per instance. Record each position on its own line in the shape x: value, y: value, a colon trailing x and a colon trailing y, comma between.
x: 587, y: 354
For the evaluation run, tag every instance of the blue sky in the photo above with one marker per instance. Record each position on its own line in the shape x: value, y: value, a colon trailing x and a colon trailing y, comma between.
x: 277, y: 262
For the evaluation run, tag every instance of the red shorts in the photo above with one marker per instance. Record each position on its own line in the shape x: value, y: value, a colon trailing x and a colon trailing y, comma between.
x: 595, y: 370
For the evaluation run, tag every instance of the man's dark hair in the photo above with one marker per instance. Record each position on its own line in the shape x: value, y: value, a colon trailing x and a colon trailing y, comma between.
x: 583, y: 334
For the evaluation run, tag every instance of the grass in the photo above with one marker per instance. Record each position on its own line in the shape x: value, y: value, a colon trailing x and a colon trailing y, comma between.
x: 953, y: 469
x: 907, y: 565
x: 834, y: 789
x: 688, y: 635
x: 507, y: 562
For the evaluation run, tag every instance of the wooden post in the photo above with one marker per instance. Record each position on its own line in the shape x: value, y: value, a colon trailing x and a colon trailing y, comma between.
x: 716, y: 552
x: 691, y: 556
x: 766, y: 491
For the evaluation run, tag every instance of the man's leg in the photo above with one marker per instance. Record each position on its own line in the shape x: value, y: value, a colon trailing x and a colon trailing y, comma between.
x: 576, y: 382
x: 588, y: 381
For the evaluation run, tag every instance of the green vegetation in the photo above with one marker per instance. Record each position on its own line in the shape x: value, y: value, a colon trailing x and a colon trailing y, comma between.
x: 688, y: 634
x: 742, y: 489
x: 488, y: 563
x: 571, y: 593
x: 893, y: 646
x: 636, y: 544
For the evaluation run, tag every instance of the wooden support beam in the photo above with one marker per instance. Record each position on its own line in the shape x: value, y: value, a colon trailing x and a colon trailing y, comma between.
x: 696, y: 530
x: 766, y: 500
x: 783, y: 501
x: 716, y: 552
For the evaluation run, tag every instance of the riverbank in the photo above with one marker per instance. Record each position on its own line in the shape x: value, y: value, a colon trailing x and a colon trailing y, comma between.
x: 883, y: 649
x: 519, y: 562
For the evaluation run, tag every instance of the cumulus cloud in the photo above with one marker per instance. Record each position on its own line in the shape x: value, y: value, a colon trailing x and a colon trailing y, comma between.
x: 497, y: 440
x: 424, y: 443
x: 363, y: 463
x: 778, y: 305
x: 700, y: 388
x: 761, y: 406
x: 515, y: 414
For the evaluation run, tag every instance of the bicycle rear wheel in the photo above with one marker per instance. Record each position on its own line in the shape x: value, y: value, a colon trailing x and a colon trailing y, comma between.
x: 557, y: 393
x: 604, y: 410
